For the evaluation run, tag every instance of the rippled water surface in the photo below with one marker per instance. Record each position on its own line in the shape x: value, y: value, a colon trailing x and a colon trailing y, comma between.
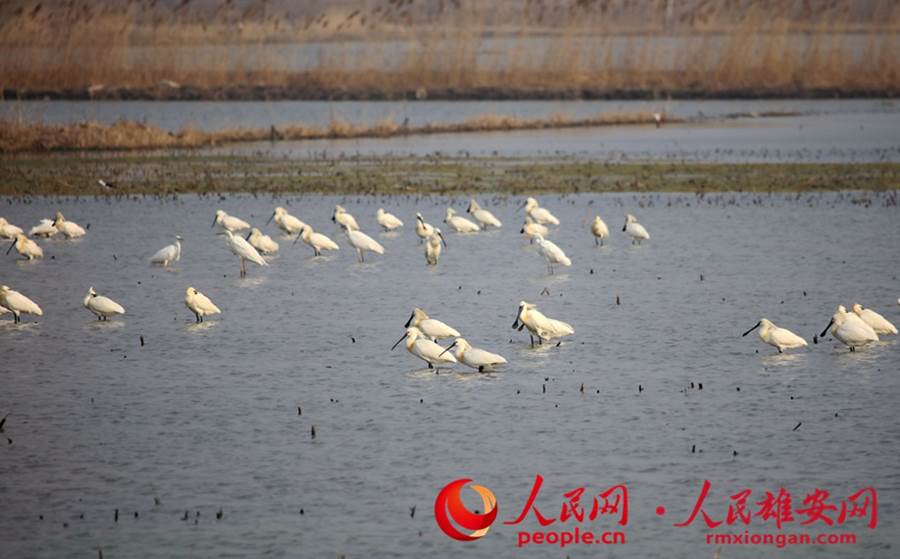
x: 204, y: 417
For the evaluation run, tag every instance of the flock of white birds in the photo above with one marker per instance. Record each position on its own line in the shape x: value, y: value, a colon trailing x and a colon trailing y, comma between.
x: 854, y: 329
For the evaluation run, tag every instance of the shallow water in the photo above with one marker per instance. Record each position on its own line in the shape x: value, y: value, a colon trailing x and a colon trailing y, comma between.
x: 205, y: 417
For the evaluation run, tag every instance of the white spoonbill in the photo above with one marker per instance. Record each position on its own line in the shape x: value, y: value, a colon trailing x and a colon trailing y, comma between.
x: 286, y: 222
x: 168, y: 254
x: 344, y: 219
x: 424, y: 349
x: 199, y: 304
x: 849, y: 329
x: 262, y: 243
x: 243, y: 250
x: 433, y: 247
x: 483, y: 216
x: 388, y: 221
x: 103, y: 307
x: 70, y: 229
x: 544, y: 328
x: 317, y: 241
x: 474, y: 357
x: 531, y: 229
x: 423, y: 230
x: 8, y: 230
x: 780, y: 338
x: 431, y: 327
x: 26, y: 247
x: 362, y: 242
x: 552, y: 253
x: 537, y: 213
x: 635, y: 230
x: 16, y: 303
x: 459, y: 223
x: 44, y: 229
x: 229, y: 222
x: 880, y: 324
x: 599, y: 230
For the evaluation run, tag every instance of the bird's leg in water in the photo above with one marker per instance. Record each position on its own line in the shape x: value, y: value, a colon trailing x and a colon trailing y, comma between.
x: 532, y: 339
x: 430, y: 366
x: 596, y: 241
x: 852, y: 348
x: 359, y: 256
x: 243, y: 269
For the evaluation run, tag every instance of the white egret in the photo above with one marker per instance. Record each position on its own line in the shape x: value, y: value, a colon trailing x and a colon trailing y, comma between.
x: 544, y: 328
x: 599, y: 230
x: 635, y: 230
x: 474, y: 357
x: 424, y: 349
x: 103, y: 307
x: 262, y: 243
x: 317, y: 241
x: 459, y: 223
x: 8, y: 230
x: 423, y: 230
x: 16, y: 303
x: 243, y: 250
x: 880, y: 324
x: 229, y: 222
x: 433, y: 247
x: 780, y: 338
x: 552, y: 253
x: 431, y: 327
x: 531, y: 229
x: 850, y: 329
x: 388, y: 221
x: 199, y: 304
x: 26, y: 247
x: 657, y: 117
x: 168, y: 254
x: 344, y: 219
x: 362, y: 242
x: 483, y: 216
x: 70, y: 229
x: 286, y: 222
x: 537, y: 213
x: 44, y: 229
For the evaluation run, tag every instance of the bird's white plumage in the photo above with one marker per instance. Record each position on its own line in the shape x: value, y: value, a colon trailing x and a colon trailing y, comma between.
x: 69, y: 229
x: 635, y: 230
x: 44, y: 229
x: 27, y: 247
x: 599, y: 230
x: 261, y: 242
x: 433, y: 248
x: 229, y: 222
x: 780, y: 338
x: 880, y: 324
x: 541, y: 326
x: 459, y: 223
x: 425, y: 349
x: 243, y: 250
x: 387, y: 221
x: 199, y: 304
x: 539, y: 214
x: 8, y: 230
x: 474, y: 357
x: 551, y: 253
x: 18, y: 304
x: 433, y: 328
x: 531, y: 229
x: 362, y: 243
x: 423, y: 229
x: 483, y: 216
x: 344, y: 219
x: 168, y: 254
x: 103, y: 307
x: 286, y: 222
x: 850, y: 329
x: 317, y: 241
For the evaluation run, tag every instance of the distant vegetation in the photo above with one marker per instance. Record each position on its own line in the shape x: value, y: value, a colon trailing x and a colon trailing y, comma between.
x: 448, y: 48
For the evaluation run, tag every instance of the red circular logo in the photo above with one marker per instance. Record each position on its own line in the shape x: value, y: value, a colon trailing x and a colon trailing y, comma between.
x: 450, y: 510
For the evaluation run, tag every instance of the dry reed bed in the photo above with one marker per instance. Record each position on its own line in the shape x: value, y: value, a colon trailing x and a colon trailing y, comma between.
x: 19, y: 136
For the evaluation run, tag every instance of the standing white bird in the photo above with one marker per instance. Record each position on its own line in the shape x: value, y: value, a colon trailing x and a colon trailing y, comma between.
x: 16, y: 303
x: 635, y: 230
x: 552, y: 253
x: 262, y: 243
x: 531, y: 229
x: 537, y: 213
x: 286, y: 222
x: 44, y: 229
x: 423, y: 230
x: 424, y: 349
x: 199, y: 304
x: 362, y: 242
x: 317, y: 241
x: 850, y: 329
x: 388, y: 221
x: 229, y: 222
x: 459, y: 223
x: 780, y: 338
x: 243, y: 250
x: 474, y: 357
x: 344, y: 219
x: 657, y: 117
x: 544, y: 328
x: 880, y: 324
x: 483, y: 216
x: 599, y: 230
x: 168, y: 254
x: 431, y: 327
x: 26, y: 247
x: 8, y: 230
x: 103, y: 307
x: 433, y: 247
x: 70, y: 229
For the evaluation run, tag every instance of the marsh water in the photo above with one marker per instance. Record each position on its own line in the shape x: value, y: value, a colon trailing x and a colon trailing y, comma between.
x: 204, y: 417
